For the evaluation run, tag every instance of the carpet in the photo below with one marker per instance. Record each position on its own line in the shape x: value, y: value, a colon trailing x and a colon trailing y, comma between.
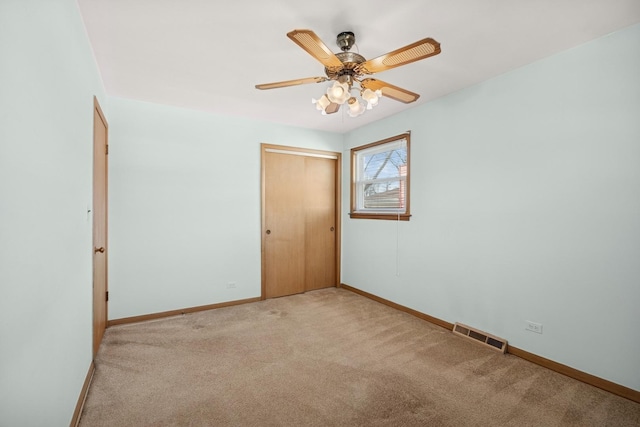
x: 327, y: 358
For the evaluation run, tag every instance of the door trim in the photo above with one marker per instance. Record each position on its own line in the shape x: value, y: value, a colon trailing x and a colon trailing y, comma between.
x: 337, y: 156
x: 301, y: 153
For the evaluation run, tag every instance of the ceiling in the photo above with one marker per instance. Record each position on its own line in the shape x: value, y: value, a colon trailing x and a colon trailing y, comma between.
x: 208, y: 55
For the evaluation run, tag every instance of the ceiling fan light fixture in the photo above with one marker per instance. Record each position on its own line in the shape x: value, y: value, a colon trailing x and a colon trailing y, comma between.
x: 322, y: 103
x: 338, y: 92
x: 355, y: 107
x: 372, y: 97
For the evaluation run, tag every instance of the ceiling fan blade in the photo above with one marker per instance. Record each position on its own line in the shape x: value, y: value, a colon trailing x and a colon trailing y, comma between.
x: 390, y: 91
x: 292, y: 83
x: 309, y: 41
x: 332, y: 108
x: 414, y: 52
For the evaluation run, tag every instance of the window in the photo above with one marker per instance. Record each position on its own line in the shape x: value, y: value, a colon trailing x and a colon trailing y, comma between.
x: 380, y: 179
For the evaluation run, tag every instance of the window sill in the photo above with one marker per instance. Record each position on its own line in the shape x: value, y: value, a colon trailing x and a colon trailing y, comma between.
x: 389, y: 216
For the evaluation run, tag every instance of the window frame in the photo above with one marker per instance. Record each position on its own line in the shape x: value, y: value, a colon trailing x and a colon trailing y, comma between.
x: 395, y: 216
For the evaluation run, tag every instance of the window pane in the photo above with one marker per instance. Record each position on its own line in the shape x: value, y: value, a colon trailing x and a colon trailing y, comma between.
x: 387, y: 164
x: 384, y: 195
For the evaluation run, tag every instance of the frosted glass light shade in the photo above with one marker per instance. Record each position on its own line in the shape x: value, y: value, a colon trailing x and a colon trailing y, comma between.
x: 371, y: 97
x: 322, y: 103
x: 355, y: 107
x: 338, y: 92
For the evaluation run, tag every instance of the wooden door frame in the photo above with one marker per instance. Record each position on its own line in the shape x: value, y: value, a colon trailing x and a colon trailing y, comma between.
x: 98, y: 109
x: 284, y: 149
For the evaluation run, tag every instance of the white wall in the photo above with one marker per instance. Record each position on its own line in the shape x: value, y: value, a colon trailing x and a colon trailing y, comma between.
x: 185, y: 205
x: 525, y: 196
x: 48, y: 79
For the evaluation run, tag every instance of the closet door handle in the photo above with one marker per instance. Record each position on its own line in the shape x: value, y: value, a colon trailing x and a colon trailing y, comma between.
x: 268, y: 231
x: 96, y: 250
x: 332, y: 228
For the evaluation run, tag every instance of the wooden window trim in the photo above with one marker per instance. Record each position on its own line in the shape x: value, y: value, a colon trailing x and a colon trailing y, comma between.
x: 378, y: 215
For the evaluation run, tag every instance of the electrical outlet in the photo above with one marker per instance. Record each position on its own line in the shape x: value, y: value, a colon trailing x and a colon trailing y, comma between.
x: 231, y: 285
x: 533, y: 326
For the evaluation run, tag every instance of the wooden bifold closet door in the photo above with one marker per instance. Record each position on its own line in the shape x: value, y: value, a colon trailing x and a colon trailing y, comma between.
x: 299, y: 220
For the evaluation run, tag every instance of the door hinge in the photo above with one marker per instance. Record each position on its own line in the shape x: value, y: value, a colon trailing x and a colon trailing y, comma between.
x: 106, y: 149
x: 107, y: 296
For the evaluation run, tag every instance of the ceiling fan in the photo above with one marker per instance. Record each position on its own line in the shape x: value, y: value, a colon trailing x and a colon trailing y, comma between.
x: 349, y: 70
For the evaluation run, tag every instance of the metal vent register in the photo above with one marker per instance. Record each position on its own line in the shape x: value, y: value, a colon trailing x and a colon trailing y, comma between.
x: 481, y: 337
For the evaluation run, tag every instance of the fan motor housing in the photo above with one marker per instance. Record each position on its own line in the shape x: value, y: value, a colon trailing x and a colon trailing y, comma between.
x: 349, y: 60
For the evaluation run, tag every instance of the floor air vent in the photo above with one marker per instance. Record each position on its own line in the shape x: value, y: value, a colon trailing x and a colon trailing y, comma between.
x: 481, y: 337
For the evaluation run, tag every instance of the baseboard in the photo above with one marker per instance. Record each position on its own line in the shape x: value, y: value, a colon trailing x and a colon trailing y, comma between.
x: 606, y: 385
x: 83, y: 396
x: 411, y: 311
x: 160, y: 315
x: 584, y: 377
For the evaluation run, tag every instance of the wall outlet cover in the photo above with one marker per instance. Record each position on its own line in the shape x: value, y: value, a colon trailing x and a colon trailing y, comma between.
x: 533, y: 326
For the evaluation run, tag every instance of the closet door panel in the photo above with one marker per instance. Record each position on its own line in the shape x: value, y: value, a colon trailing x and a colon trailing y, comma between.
x: 284, y: 238
x: 320, y: 222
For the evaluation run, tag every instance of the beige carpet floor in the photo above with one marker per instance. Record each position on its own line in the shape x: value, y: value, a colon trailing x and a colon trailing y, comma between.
x: 327, y: 358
